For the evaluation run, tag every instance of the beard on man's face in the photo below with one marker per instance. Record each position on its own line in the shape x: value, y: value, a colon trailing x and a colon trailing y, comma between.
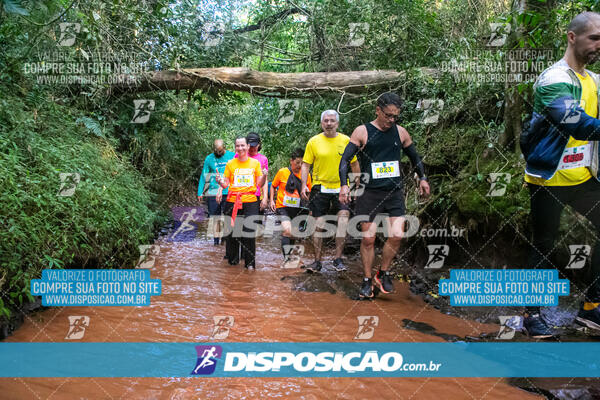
x: 586, y: 56
x: 219, y: 153
x: 592, y: 57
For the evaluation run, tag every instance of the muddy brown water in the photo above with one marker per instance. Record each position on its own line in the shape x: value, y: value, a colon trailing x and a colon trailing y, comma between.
x: 268, y: 305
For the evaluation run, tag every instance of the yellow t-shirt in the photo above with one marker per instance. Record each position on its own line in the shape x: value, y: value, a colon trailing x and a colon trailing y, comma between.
x: 574, y: 176
x: 243, y: 177
x: 324, y: 154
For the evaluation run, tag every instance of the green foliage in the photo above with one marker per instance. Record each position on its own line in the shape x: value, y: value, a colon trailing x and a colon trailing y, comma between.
x: 100, y: 225
x: 92, y: 125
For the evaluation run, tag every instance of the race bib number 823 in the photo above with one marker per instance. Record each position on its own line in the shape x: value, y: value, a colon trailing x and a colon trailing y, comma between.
x: 385, y: 169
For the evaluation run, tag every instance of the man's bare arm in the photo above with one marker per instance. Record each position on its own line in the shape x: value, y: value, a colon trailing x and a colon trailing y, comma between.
x: 304, y: 192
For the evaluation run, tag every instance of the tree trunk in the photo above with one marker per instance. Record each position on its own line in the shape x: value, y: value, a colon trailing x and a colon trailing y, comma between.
x: 512, y: 119
x: 513, y: 102
x: 269, y: 83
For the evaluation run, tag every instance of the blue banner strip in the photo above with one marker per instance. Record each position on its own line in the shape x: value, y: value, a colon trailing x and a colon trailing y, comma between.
x: 332, y: 359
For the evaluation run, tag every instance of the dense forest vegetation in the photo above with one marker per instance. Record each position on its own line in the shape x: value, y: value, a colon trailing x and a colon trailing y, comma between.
x: 130, y: 173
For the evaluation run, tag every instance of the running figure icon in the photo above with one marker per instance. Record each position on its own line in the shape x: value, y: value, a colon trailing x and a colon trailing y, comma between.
x: 186, y: 223
x: 437, y: 255
x: 207, y: 361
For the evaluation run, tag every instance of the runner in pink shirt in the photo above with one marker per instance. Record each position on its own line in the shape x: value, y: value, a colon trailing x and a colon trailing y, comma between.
x: 255, y: 145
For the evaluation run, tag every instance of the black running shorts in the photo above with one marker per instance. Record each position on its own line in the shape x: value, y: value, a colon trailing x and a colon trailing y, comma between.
x: 320, y: 204
x: 289, y: 212
x: 373, y: 202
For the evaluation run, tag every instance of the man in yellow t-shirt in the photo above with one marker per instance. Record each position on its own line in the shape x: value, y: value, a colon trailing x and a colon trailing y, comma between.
x: 324, y: 152
x: 560, y: 147
x: 242, y: 175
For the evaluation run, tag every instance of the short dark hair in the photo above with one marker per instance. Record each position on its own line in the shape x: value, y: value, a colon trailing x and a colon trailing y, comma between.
x: 297, y: 153
x: 389, y: 98
x: 579, y: 24
x: 240, y: 137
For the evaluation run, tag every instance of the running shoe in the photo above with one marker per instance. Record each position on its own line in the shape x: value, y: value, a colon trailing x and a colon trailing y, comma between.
x: 216, y: 241
x: 589, y: 318
x: 338, y: 265
x: 537, y: 328
x: 314, y: 267
x: 366, y: 290
x: 383, y: 279
x: 250, y: 266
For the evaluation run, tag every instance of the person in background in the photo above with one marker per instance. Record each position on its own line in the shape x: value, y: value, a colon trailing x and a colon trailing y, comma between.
x: 255, y: 145
x: 214, y: 164
x: 287, y: 205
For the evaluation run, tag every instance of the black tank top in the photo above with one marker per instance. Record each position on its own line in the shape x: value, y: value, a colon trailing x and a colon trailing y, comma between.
x: 380, y: 158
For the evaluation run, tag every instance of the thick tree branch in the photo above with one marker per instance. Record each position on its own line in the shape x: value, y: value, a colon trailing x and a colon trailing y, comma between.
x: 269, y: 83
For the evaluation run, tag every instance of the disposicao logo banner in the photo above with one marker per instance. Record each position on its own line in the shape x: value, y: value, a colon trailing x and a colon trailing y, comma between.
x: 320, y: 359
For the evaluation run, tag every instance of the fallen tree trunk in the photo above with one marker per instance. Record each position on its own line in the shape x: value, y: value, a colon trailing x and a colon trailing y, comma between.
x: 270, y: 84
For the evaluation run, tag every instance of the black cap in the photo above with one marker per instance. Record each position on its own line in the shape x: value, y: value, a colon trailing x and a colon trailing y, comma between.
x: 253, y: 139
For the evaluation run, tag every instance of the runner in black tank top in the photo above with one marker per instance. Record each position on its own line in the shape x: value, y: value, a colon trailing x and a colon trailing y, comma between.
x: 380, y: 145
x: 380, y: 158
